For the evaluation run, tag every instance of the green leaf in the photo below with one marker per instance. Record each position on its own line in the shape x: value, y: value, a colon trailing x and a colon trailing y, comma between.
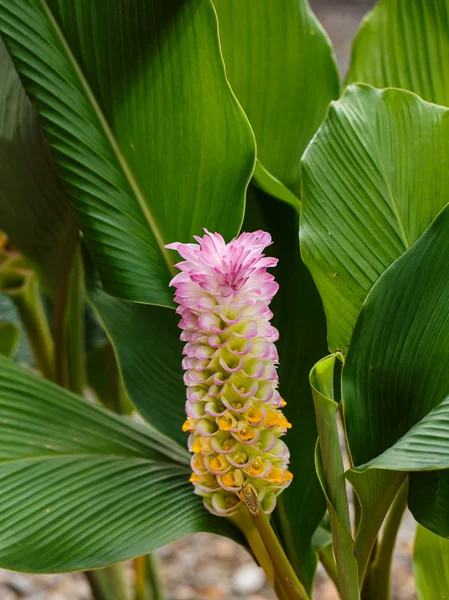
x: 405, y: 45
x: 9, y: 338
x: 273, y: 187
x: 396, y: 373
x: 431, y: 565
x: 299, y: 317
x: 425, y: 446
x: 105, y: 380
x: 35, y: 212
x: 149, y: 353
x: 282, y: 68
x: 374, y: 178
x: 82, y: 487
x: 146, y: 133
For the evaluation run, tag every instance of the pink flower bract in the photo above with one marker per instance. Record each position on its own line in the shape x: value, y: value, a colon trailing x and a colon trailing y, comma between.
x: 233, y: 406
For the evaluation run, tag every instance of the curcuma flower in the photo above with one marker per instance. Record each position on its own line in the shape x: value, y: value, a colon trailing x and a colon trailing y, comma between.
x: 233, y: 406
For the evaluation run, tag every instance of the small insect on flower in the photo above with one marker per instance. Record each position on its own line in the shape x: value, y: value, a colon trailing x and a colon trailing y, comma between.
x: 233, y: 407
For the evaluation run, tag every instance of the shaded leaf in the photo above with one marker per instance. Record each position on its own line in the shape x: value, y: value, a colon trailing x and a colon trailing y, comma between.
x: 282, y: 68
x: 149, y: 353
x: 35, y: 212
x: 405, y: 45
x: 374, y: 178
x: 146, y: 133
x: 396, y: 373
x: 83, y: 487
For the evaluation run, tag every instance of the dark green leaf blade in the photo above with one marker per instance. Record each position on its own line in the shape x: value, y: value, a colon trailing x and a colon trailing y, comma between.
x: 404, y: 45
x: 149, y: 353
x: 35, y: 212
x: 146, y: 133
x: 281, y: 66
x: 396, y: 373
x: 83, y: 487
x: 374, y: 178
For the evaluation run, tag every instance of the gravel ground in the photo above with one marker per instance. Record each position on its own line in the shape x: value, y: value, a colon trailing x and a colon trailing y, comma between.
x: 204, y: 566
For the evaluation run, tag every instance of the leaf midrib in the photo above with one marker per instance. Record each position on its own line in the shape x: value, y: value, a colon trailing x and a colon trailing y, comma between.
x: 139, y: 196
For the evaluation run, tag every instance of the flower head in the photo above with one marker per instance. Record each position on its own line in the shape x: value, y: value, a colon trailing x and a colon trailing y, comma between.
x: 234, y: 414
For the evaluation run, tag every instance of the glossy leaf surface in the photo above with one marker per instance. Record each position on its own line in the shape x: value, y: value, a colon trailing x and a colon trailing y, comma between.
x: 281, y: 66
x: 404, y: 45
x: 396, y: 373
x: 374, y: 178
x: 83, y: 487
x: 146, y: 133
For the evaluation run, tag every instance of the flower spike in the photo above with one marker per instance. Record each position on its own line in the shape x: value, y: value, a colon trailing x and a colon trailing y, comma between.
x: 233, y: 408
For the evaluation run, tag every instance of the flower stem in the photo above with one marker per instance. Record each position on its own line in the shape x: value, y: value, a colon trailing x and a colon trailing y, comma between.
x: 108, y: 583
x: 147, y: 582
x: 378, y: 582
x: 285, y: 574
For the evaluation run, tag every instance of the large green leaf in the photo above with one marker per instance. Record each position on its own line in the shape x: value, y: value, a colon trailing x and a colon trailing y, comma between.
x: 431, y: 565
x: 374, y: 178
x: 83, y: 487
x: 35, y: 212
x: 146, y: 133
x: 299, y: 317
x: 281, y: 66
x: 149, y: 353
x: 396, y: 372
x: 405, y: 44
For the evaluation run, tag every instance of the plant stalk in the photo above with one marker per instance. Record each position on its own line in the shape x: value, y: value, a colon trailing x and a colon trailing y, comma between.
x: 378, y: 581
x: 28, y: 302
x: 108, y: 583
x: 147, y: 582
x: 284, y: 572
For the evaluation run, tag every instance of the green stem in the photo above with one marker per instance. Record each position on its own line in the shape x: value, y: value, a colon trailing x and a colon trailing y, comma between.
x: 331, y: 474
x: 242, y: 519
x: 108, y: 583
x: 285, y: 574
x: 378, y: 581
x: 147, y: 582
x: 28, y: 302
x: 75, y: 328
x: 327, y: 559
